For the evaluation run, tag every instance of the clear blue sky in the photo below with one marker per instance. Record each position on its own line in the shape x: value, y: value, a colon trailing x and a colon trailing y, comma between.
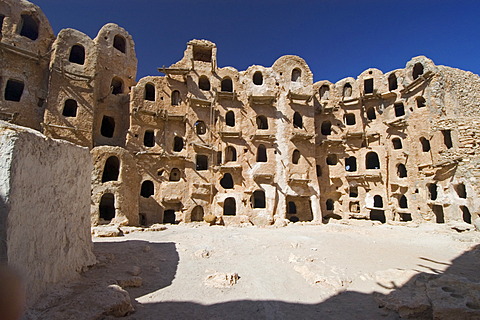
x: 336, y: 38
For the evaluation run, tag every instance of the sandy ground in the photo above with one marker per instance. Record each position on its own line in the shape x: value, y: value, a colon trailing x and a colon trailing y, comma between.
x: 296, y: 272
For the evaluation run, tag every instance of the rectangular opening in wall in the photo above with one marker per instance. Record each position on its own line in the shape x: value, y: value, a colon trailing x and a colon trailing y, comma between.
x: 353, y: 192
x: 14, y: 90
x: 108, y: 127
x: 447, y: 138
x: 354, y: 207
x: 368, y: 85
x: 219, y: 158
x: 2, y: 17
x: 149, y: 138
x: 377, y: 215
x: 202, y: 54
x: 201, y: 162
x: 438, y: 212
x: 466, y: 215
x: 399, y: 109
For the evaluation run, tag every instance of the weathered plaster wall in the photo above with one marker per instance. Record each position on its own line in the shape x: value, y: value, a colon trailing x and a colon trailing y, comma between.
x: 45, y: 196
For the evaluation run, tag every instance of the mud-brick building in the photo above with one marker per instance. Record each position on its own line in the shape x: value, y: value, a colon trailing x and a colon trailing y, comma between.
x: 259, y: 146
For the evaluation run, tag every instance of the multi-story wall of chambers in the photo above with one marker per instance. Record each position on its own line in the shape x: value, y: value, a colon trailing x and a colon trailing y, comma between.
x: 259, y: 145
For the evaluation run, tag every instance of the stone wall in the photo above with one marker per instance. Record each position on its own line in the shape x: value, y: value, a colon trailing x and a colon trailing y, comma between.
x: 45, y: 205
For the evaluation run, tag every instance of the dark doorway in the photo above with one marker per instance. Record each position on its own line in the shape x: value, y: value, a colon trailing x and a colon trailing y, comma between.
x: 438, y: 211
x: 111, y: 169
x: 201, y: 162
x: 119, y: 43
x: 372, y: 161
x: 262, y: 123
x: 149, y: 138
x: 230, y: 119
x: 197, y: 213
x: 14, y: 90
x: 261, y: 153
x: 227, y: 181
x: 229, y: 207
x: 259, y: 199
x: 108, y: 127
x: 177, y: 144
x: 147, y: 189
x: 297, y: 120
x: 29, y: 27
x: 466, y: 215
x: 378, y: 215
x: 204, y: 83
x: 258, y: 78
x: 70, y: 108
x: 227, y: 85
x: 107, y: 207
x: 368, y: 86
x: 149, y: 92
x: 169, y: 216
x: 77, y: 54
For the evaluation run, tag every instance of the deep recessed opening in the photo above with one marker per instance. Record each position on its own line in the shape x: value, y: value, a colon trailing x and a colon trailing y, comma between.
x: 169, y: 216
x: 447, y: 138
x: 397, y: 143
x: 466, y: 215
x: 461, y: 190
x: 149, y: 92
x: 230, y: 119
x: 438, y: 212
x: 175, y: 175
x: 353, y: 192
x: 204, y: 83
x: 401, y: 170
x: 177, y: 144
x: 175, y: 98
x: 354, y: 207
x: 147, y: 189
x: 425, y: 144
x: 399, y: 109
x: 259, y: 199
x: 405, y: 217
x: 230, y: 154
x: 332, y: 159
x: 108, y: 127
x: 227, y: 181
x: 120, y: 43
x: 432, y: 191
x: 329, y: 204
x: 230, y: 207
x: 261, y: 153
x: 107, y: 207
x: 417, y: 70
x: 421, y: 102
x: 219, y: 158
x: 111, y: 169
x: 296, y: 74
x: 295, y: 156
x: 14, y: 90
x: 200, y: 127
x: 291, y: 207
x: 347, y: 90
x: 378, y: 215
x: 368, y: 86
x: 377, y: 201
x: 117, y: 85
x: 318, y: 169
x: 202, y: 54
x: 392, y: 82
x: 372, y: 161
x: 197, y: 214
x: 403, y: 202
x: 351, y: 164
x: 201, y: 162
x: 324, y: 92
x: 70, y: 108
x: 371, y: 115
x: 30, y: 26
x: 77, y: 54
x: 326, y: 128
x: 2, y: 17
x: 258, y: 78
x: 297, y: 120
x: 350, y: 119
x: 227, y: 85
x: 262, y: 123
x: 149, y: 138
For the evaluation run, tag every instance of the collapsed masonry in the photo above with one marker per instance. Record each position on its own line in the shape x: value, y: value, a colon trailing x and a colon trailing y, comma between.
x: 263, y: 144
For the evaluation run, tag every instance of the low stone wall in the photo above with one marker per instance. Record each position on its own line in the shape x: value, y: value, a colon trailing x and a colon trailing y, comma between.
x: 44, y: 207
